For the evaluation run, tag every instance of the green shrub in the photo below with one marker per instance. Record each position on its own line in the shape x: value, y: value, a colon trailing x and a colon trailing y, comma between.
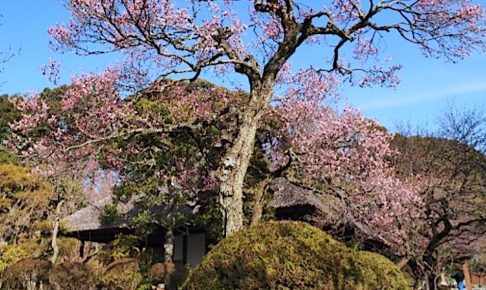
x: 291, y: 255
x: 71, y: 275
x: 109, y: 214
x: 124, y: 246
x: 122, y: 274
x: 26, y: 274
x: 68, y: 248
x: 382, y: 272
x: 159, y: 272
x: 11, y: 254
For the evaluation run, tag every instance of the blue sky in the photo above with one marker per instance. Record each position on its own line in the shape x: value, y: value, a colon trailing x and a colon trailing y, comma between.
x: 427, y: 85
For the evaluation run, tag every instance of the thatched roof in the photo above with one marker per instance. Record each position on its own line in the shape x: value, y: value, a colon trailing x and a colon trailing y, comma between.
x: 295, y: 202
x: 287, y: 194
x: 89, y: 218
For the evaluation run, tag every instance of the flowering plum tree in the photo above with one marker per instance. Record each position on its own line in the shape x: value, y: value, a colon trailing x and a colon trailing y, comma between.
x: 257, y: 39
x: 162, y: 152
x: 344, y: 159
x: 453, y: 192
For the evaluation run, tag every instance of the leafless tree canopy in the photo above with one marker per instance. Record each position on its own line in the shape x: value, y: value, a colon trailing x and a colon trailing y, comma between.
x: 467, y: 126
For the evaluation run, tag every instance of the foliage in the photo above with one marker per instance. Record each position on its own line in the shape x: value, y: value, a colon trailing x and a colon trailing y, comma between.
x: 11, y: 254
x: 29, y: 273
x: 172, y: 173
x: 71, y: 275
x: 257, y: 41
x: 147, y: 285
x: 6, y: 156
x: 122, y: 247
x: 345, y: 160
x: 144, y: 223
x: 27, y: 210
x: 477, y: 264
x: 451, y: 170
x: 26, y: 274
x: 379, y: 268
x: 159, y: 272
x: 24, y: 200
x: 109, y: 214
x: 8, y: 114
x: 178, y: 144
x: 161, y: 172
x: 179, y: 39
x: 68, y: 248
x: 123, y: 274
x: 291, y: 255
x: 453, y: 186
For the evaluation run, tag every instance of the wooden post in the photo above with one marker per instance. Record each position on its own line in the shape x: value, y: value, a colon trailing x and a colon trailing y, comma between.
x: 184, y: 249
x: 467, y: 276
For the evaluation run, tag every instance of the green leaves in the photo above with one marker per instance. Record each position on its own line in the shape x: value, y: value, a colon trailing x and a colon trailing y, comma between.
x: 8, y: 114
x: 109, y: 214
x: 6, y: 156
x: 291, y: 255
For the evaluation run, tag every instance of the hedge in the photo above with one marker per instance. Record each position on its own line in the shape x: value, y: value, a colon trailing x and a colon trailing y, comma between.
x: 291, y: 255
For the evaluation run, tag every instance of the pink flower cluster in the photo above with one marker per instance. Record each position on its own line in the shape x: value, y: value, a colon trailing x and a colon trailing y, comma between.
x: 349, y: 154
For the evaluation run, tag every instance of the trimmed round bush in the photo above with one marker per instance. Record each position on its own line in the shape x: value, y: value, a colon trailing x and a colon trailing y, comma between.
x: 291, y: 255
x: 26, y: 274
x: 122, y: 274
x: 71, y: 275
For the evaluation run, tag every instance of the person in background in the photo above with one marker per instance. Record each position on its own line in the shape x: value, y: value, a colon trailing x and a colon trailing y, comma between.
x: 461, y: 283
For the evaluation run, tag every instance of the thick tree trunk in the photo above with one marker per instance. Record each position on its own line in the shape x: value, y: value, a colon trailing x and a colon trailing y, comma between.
x: 169, y: 246
x: 235, y: 164
x: 232, y: 175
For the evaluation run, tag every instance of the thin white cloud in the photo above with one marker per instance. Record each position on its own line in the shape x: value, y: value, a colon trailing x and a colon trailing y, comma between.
x: 410, y: 97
